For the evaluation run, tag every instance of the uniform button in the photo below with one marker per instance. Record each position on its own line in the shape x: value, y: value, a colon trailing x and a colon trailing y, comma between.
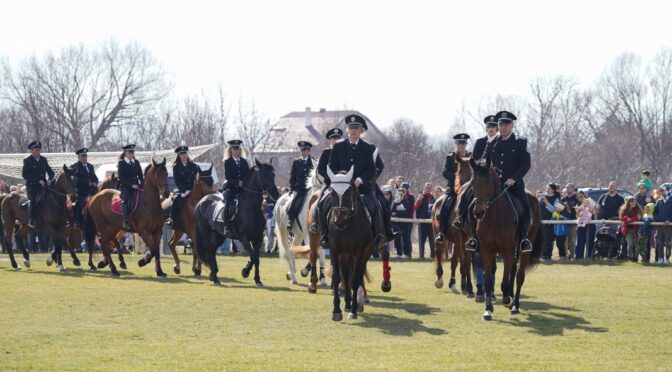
x: 502, y: 154
x: 501, y: 162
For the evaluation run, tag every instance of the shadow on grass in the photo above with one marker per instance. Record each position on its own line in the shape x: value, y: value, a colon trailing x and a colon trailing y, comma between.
x: 410, y: 307
x: 395, y: 326
x: 554, y: 320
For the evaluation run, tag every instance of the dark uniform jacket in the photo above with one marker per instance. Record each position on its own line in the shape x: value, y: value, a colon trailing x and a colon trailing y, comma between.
x: 300, y: 172
x: 450, y: 168
x: 185, y: 176
x: 235, y: 173
x: 85, y: 176
x: 322, y: 165
x: 510, y: 157
x: 34, y: 170
x: 479, y: 148
x: 344, y: 156
x: 129, y: 174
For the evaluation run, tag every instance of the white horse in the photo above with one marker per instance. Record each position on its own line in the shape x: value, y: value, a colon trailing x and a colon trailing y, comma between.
x: 299, y: 230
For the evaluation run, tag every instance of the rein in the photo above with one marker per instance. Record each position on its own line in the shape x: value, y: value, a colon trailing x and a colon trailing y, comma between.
x: 488, y: 202
x: 353, y: 207
x: 261, y: 190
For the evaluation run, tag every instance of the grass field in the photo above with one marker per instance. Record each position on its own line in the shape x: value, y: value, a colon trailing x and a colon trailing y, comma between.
x: 576, y: 317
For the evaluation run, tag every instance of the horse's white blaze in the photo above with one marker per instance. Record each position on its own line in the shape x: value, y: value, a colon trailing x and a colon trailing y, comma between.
x: 340, y: 183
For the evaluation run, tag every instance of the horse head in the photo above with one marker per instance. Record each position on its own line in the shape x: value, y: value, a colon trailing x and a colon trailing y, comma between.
x: 204, y: 178
x: 157, y: 175
x: 343, y: 196
x: 66, y: 181
x: 485, y: 183
x: 262, y: 179
x: 464, y: 171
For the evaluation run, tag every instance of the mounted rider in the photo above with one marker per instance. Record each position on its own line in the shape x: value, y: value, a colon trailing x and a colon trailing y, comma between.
x: 509, y: 155
x: 35, y: 171
x: 333, y: 135
x: 131, y: 179
x: 236, y: 170
x: 449, y: 169
x: 357, y: 153
x: 301, y: 168
x: 86, y: 186
x: 184, y: 174
x: 384, y: 204
x: 465, y: 201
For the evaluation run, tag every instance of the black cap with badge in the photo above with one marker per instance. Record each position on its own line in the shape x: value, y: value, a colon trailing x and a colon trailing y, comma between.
x: 490, y: 121
x: 129, y: 147
x: 356, y: 121
x: 181, y: 150
x: 334, y: 133
x: 235, y: 144
x: 82, y: 151
x: 35, y: 145
x: 305, y: 145
x: 461, y: 138
x: 505, y: 117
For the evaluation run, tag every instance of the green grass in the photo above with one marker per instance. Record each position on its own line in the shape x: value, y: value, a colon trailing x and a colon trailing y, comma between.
x: 587, y: 317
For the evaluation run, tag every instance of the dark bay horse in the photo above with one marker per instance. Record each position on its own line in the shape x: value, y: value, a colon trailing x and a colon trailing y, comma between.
x: 455, y: 236
x: 351, y: 242
x: 51, y: 215
x: 247, y: 225
x: 185, y: 221
x: 148, y: 221
x: 498, y: 233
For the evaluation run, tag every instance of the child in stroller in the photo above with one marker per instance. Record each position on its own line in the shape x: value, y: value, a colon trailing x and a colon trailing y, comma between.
x: 609, y: 242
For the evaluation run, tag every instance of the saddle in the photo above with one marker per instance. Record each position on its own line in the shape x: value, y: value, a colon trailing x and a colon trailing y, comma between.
x: 215, y: 214
x: 516, y: 208
x: 117, y: 201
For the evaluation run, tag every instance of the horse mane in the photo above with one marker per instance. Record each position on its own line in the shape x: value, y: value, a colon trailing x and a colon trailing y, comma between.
x: 463, y: 171
x: 314, y: 179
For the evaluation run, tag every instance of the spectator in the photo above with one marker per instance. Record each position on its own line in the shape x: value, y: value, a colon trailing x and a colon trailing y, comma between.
x: 630, y: 212
x: 646, y: 180
x: 550, y: 203
x: 388, y: 195
x: 663, y: 213
x: 402, y: 207
x: 571, y: 201
x: 438, y: 191
x: 585, y: 232
x: 643, y: 195
x: 609, y: 203
x: 4, y: 189
x: 393, y: 185
x: 423, y: 210
x: 13, y: 188
x: 645, y: 233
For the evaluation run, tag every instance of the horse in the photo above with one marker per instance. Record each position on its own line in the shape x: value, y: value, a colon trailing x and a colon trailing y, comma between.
x: 351, y: 242
x: 51, y: 215
x: 300, y: 230
x: 100, y: 218
x: 498, y: 233
x: 185, y: 220
x: 247, y: 223
x: 110, y: 182
x: 457, y: 237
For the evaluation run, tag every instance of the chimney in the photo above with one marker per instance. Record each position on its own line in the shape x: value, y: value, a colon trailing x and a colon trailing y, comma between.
x: 323, y: 110
x: 309, y: 122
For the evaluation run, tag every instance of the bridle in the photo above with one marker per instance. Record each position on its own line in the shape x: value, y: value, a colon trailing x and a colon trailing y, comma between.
x: 261, y: 190
x: 353, y: 205
x: 486, y: 203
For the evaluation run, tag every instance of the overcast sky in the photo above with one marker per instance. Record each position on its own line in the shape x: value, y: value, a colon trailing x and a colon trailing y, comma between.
x: 420, y: 60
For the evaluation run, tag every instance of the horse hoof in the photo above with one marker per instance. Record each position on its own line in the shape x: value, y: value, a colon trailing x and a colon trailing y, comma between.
x: 312, y: 289
x: 386, y: 286
x: 470, y: 296
x: 507, y: 301
x: 161, y: 274
x: 259, y: 283
x: 352, y: 316
x: 367, y: 301
x: 454, y: 289
x: 50, y: 261
x: 305, y: 272
x: 216, y: 283
x: 494, y: 298
x: 245, y: 273
x: 464, y: 292
x: 348, y: 308
x: 92, y: 267
x: 480, y: 298
x: 61, y: 268
x: 26, y: 263
x: 196, y: 272
x: 176, y: 270
x: 515, y: 311
x: 487, y: 317
x: 122, y: 265
x: 438, y: 283
x: 102, y: 264
x: 360, y: 308
x: 17, y: 268
x: 288, y: 277
x: 141, y: 262
x: 323, y: 283
x: 295, y: 282
x: 76, y: 262
x: 337, y: 317
x: 115, y: 273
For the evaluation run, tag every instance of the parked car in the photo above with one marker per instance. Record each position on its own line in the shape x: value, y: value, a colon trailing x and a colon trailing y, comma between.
x: 595, y: 192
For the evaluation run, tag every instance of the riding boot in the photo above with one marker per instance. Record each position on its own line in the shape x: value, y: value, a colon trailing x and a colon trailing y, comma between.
x: 387, y: 224
x: 226, y: 220
x: 458, y: 223
x: 443, y: 219
x: 324, y: 228
x: 125, y: 224
x: 380, y: 241
x: 170, y: 220
x: 525, y: 244
x: 31, y: 215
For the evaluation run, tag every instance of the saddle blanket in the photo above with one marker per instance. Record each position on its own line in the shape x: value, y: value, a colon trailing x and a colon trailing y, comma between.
x: 117, y: 200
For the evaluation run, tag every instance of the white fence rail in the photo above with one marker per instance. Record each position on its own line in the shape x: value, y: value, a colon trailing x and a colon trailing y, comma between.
x: 545, y: 222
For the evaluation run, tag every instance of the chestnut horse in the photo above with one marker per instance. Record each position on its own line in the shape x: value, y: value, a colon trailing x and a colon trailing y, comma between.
x: 100, y: 218
x: 185, y: 220
x: 498, y: 234
x: 51, y: 215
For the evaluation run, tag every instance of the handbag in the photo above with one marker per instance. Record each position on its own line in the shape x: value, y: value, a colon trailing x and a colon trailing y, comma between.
x: 561, y: 229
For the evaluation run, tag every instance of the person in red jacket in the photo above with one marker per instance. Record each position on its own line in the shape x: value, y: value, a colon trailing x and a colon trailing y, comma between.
x: 630, y: 212
x: 423, y: 210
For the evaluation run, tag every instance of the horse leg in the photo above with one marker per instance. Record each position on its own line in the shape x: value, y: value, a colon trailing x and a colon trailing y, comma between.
x: 20, y: 242
x: 172, y: 243
x: 454, y: 260
x: 323, y: 280
x: 147, y: 258
x: 520, y: 279
x: 156, y: 252
x: 291, y: 263
x: 507, y: 292
x: 201, y: 238
x: 248, y: 267
x: 312, y: 287
x: 256, y: 247
x: 90, y: 248
x: 120, y: 254
x: 466, y: 264
x: 438, y: 263
x: 356, y: 283
x: 214, y: 267
x: 487, y: 270
x: 386, y: 285
x: 7, y: 246
x: 336, y: 314
x: 105, y: 239
x: 346, y: 263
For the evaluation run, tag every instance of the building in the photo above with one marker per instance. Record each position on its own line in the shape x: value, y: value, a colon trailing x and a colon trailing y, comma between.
x: 309, y: 126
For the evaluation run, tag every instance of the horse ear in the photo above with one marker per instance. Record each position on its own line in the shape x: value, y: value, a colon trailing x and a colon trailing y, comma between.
x: 154, y: 162
x: 164, y: 161
x: 65, y: 168
x: 258, y: 164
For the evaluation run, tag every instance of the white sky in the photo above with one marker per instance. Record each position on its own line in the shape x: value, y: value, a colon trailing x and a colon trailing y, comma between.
x: 415, y: 59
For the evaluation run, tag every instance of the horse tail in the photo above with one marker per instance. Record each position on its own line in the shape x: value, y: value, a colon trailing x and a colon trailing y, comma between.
x: 89, y: 229
x: 284, y: 244
x: 201, y: 244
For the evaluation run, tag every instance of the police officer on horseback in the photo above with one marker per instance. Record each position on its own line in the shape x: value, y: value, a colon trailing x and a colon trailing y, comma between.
x: 86, y: 186
x: 449, y: 169
x: 35, y: 171
x: 184, y: 174
x: 301, y: 168
x: 131, y: 179
x: 357, y: 153
x: 509, y: 155
x: 236, y: 170
x: 479, y: 153
x: 333, y: 135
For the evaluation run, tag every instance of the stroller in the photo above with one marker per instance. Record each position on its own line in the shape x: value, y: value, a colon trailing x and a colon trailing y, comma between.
x: 609, y: 243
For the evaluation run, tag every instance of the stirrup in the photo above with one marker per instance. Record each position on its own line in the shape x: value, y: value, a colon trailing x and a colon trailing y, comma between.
x: 324, y: 242
x: 31, y: 223
x: 471, y: 245
x: 126, y: 225
x: 169, y: 222
x: 314, y: 229
x: 439, y: 239
x: 525, y: 246
x: 458, y: 223
x: 380, y: 242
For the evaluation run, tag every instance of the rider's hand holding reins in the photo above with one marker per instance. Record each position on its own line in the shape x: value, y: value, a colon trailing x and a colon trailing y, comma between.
x: 135, y: 187
x: 510, y: 182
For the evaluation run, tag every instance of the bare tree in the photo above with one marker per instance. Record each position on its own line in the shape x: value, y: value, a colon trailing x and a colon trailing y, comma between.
x: 254, y: 129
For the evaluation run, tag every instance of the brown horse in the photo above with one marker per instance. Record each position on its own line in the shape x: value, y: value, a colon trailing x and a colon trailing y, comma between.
x: 51, y: 215
x: 498, y: 234
x: 110, y: 182
x: 99, y: 217
x: 185, y: 221
x: 455, y: 236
